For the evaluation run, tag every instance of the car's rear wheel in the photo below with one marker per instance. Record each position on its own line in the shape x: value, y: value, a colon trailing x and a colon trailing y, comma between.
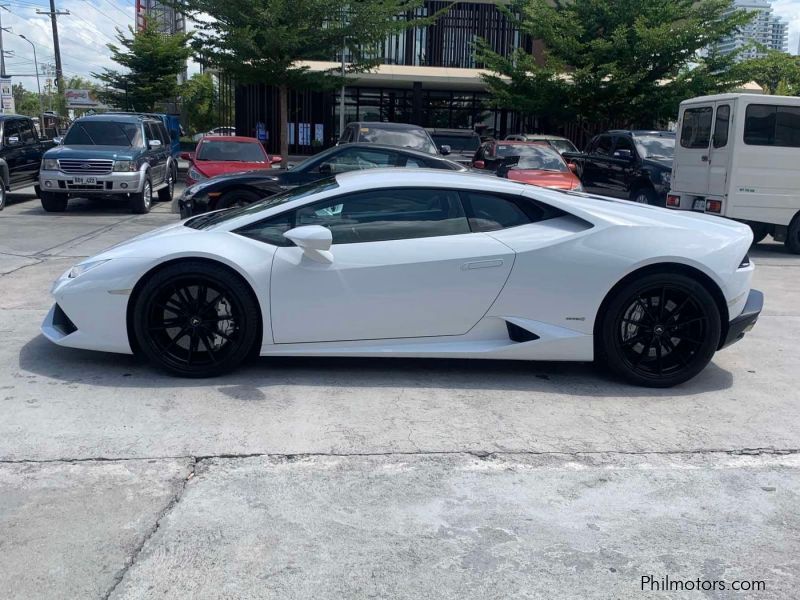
x: 238, y: 198
x: 644, y: 195
x: 660, y: 330
x: 760, y: 231
x: 165, y: 193
x: 54, y: 202
x: 2, y: 194
x: 195, y: 319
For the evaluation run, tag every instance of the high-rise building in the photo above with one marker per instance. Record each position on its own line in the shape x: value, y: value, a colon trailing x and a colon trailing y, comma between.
x: 165, y: 18
x: 766, y: 29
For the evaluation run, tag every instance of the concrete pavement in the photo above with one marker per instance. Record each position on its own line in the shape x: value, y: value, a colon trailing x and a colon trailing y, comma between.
x: 355, y: 478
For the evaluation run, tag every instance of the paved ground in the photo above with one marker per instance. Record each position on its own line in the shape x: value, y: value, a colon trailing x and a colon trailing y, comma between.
x: 353, y: 478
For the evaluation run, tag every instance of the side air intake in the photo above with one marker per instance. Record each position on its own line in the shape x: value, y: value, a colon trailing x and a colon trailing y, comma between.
x: 519, y: 334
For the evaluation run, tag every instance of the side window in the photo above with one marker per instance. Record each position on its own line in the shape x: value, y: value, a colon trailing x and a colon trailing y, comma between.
x: 388, y: 214
x: 149, y: 134
x: 11, y: 130
x: 624, y: 143
x: 696, y: 129
x: 270, y: 231
x: 355, y: 159
x: 766, y: 125
x: 721, y: 126
x: 603, y: 145
x: 411, y: 162
x: 163, y: 134
x: 489, y: 212
x: 27, y: 135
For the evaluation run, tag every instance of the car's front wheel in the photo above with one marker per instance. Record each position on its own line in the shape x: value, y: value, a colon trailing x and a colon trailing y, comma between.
x: 195, y: 319
x: 2, y: 194
x: 660, y: 330
x: 54, y: 202
x: 141, y: 202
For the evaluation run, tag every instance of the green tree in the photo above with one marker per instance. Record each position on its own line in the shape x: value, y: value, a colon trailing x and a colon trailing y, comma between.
x: 199, y: 96
x: 152, y: 63
x: 776, y: 72
x: 627, y: 60
x: 25, y: 102
x: 265, y: 40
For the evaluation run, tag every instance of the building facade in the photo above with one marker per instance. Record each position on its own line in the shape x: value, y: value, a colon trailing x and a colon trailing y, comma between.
x: 429, y: 77
x: 766, y: 29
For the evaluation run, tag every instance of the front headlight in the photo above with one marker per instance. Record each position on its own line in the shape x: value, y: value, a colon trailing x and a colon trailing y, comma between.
x: 578, y: 188
x: 82, y: 268
x: 124, y: 165
x: 666, y: 178
x: 195, y: 174
x: 49, y: 164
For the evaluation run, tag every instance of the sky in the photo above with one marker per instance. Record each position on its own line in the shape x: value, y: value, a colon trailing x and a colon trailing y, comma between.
x: 83, y: 34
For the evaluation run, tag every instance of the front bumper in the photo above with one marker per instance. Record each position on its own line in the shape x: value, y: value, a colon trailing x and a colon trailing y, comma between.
x: 746, y: 320
x: 189, y: 205
x: 122, y: 182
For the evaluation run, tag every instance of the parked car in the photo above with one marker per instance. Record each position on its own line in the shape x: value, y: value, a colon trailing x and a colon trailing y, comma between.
x: 390, y: 134
x: 217, y: 131
x: 739, y: 157
x: 21, y: 152
x: 460, y: 143
x: 632, y: 165
x: 493, y: 153
x: 561, y: 144
x: 239, y: 189
x: 113, y: 155
x: 542, y: 166
x: 421, y: 263
x: 217, y: 155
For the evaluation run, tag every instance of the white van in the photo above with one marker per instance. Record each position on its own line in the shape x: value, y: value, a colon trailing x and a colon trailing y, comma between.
x: 738, y: 156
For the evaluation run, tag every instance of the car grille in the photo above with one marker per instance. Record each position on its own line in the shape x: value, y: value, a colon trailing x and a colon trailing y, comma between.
x: 86, y: 167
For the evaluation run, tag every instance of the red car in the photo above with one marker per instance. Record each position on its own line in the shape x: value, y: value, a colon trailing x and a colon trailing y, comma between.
x: 543, y: 166
x: 215, y: 155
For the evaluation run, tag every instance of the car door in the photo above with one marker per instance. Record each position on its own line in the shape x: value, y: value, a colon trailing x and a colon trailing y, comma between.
x: 691, y: 165
x: 594, y: 175
x: 157, y: 156
x: 31, y: 154
x: 405, y: 264
x: 621, y: 167
x: 13, y: 151
x: 719, y: 155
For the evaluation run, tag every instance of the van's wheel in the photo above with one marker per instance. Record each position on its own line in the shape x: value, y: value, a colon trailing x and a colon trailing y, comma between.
x: 238, y: 198
x: 792, y: 241
x: 660, y: 330
x: 760, y: 231
x: 644, y: 195
x: 54, y: 202
x: 165, y: 193
x: 141, y: 202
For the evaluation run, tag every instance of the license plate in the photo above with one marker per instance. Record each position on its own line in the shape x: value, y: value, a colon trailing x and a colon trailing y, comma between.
x: 85, y: 180
x: 699, y: 205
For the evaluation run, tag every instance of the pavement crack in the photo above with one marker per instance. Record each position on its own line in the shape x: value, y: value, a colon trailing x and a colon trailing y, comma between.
x: 176, y: 497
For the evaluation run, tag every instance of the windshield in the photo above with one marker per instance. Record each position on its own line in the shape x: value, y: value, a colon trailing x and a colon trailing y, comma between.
x: 104, y: 133
x: 409, y: 138
x: 656, y: 147
x: 506, y: 150
x: 231, y: 151
x: 457, y: 143
x: 207, y: 220
x: 543, y: 159
x: 563, y: 145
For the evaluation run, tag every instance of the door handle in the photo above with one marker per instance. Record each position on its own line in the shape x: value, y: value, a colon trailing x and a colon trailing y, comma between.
x: 704, y: 158
x: 482, y: 264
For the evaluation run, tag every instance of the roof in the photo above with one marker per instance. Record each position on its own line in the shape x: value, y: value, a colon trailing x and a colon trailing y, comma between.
x: 13, y: 117
x: 227, y: 138
x: 539, y: 136
x: 650, y: 132
x: 385, y: 125
x: 514, y: 142
x: 760, y: 98
x: 451, y: 132
x: 117, y: 117
x: 391, y: 177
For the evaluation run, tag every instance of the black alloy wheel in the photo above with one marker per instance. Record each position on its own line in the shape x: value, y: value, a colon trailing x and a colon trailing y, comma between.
x: 196, y: 320
x: 661, y: 330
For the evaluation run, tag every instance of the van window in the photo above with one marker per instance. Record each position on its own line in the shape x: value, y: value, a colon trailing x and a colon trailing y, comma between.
x: 766, y: 125
x: 696, y: 129
x: 721, y: 126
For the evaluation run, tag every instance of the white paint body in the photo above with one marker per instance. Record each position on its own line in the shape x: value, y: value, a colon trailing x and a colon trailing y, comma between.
x: 448, y: 296
x: 754, y: 182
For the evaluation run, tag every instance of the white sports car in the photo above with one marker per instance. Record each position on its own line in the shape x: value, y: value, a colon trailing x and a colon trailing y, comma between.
x: 423, y: 264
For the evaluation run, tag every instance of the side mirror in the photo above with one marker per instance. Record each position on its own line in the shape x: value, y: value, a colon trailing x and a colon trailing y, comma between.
x: 573, y: 167
x: 326, y: 168
x: 315, y: 240
x: 58, y: 140
x: 479, y: 164
x: 624, y: 154
x: 154, y: 143
x: 276, y: 159
x: 444, y: 149
x: 13, y: 140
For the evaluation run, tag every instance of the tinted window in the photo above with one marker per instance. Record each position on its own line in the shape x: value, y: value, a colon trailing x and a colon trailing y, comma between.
x: 625, y: 143
x: 721, y: 126
x: 457, y: 143
x: 27, y: 135
x: 696, y: 130
x: 10, y: 129
x: 417, y: 139
x: 231, y: 151
x: 390, y: 214
x: 603, y: 145
x: 489, y: 212
x: 270, y: 231
x: 505, y: 150
x: 355, y: 159
x: 651, y: 146
x: 772, y: 125
x: 104, y: 133
x: 542, y: 158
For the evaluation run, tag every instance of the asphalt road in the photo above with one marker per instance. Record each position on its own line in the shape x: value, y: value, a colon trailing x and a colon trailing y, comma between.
x: 382, y: 478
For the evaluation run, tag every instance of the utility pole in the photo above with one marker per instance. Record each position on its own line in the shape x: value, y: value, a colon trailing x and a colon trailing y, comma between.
x: 54, y: 14
x: 2, y: 51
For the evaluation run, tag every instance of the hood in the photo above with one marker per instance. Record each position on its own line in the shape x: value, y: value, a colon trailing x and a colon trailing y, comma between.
x: 212, y: 168
x: 90, y: 152
x: 560, y: 180
x: 252, y: 176
x: 664, y: 163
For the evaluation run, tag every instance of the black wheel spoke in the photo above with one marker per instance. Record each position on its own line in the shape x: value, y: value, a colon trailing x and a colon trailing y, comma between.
x: 673, y: 350
x: 677, y: 312
x: 658, y: 357
x: 645, y: 309
x: 639, y: 324
x: 635, y: 339
x: 221, y: 334
x: 194, y: 339
x: 645, y: 351
x: 689, y: 322
x: 661, y: 304
x: 182, y: 333
x: 207, y: 342
x: 210, y: 303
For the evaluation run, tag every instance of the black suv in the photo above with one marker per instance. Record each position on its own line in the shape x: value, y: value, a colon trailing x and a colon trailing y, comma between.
x: 633, y: 165
x: 116, y: 155
x: 21, y: 153
x: 390, y: 134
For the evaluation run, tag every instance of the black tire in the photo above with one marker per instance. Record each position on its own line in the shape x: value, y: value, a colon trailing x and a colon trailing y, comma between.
x: 165, y: 193
x: 760, y: 231
x: 54, y: 202
x: 236, y: 198
x: 196, y: 319
x: 644, y: 195
x: 792, y: 241
x: 3, y: 194
x: 659, y: 330
x: 143, y: 201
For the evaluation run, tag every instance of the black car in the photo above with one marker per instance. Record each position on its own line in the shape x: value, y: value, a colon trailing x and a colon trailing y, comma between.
x: 633, y: 165
x: 238, y: 189
x: 21, y: 153
x: 401, y: 135
x: 459, y: 145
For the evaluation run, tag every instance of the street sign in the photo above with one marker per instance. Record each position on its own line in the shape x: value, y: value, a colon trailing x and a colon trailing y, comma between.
x: 82, y: 99
x: 6, y: 97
